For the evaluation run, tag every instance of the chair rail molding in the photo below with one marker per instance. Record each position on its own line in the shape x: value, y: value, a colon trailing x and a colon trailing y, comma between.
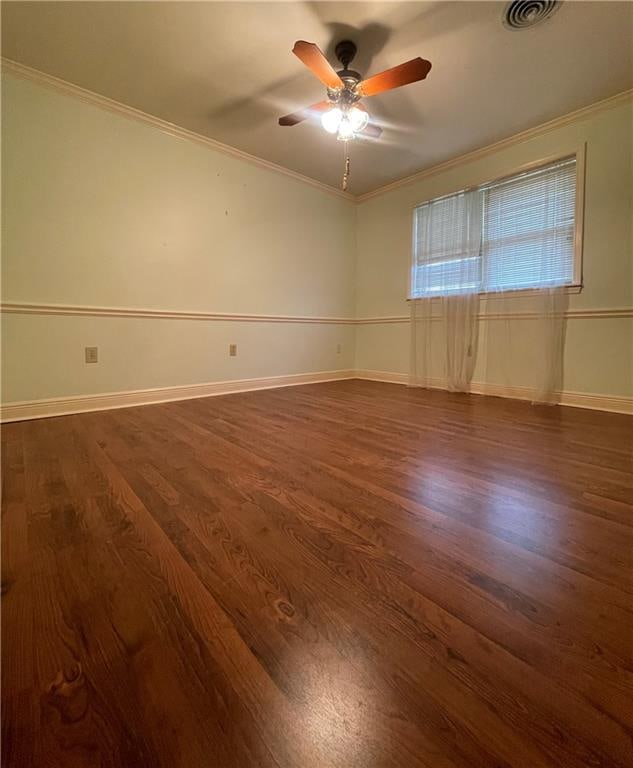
x: 28, y: 308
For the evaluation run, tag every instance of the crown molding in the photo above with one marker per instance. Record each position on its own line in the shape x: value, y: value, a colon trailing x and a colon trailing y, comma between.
x: 489, y: 149
x: 90, y: 97
x: 95, y: 99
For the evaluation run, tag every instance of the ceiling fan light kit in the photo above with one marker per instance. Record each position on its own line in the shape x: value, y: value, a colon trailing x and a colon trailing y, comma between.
x: 343, y: 114
x: 345, y: 122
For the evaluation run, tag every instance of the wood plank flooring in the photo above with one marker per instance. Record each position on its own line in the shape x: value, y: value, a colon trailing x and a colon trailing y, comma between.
x: 344, y: 574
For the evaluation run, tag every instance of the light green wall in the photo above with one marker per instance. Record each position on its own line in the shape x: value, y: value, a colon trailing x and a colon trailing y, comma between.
x: 47, y: 352
x: 101, y: 210
x: 598, y: 351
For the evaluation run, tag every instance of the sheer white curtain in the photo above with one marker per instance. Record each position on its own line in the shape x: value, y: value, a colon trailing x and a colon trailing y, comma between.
x: 446, y: 276
x: 523, y: 344
x: 527, y: 241
x: 491, y: 244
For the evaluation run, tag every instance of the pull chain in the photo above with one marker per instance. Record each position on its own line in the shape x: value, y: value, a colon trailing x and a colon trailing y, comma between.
x: 346, y: 173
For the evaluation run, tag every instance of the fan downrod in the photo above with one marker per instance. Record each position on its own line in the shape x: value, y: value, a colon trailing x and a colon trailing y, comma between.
x: 345, y: 52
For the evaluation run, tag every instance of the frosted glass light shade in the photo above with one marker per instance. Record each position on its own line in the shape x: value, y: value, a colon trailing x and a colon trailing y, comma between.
x: 345, y: 130
x: 331, y: 120
x: 358, y: 119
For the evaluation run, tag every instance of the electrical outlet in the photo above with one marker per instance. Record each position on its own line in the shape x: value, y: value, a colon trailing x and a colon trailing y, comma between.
x: 232, y: 350
x: 338, y: 349
x: 92, y: 354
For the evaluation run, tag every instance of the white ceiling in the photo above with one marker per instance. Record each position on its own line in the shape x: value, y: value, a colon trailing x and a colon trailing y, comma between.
x: 225, y: 70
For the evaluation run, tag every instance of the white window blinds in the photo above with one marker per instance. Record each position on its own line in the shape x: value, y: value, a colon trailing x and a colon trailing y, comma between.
x: 512, y: 234
x: 447, y: 238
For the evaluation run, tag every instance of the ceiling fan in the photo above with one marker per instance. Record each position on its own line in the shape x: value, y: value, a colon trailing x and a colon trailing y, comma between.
x: 343, y: 113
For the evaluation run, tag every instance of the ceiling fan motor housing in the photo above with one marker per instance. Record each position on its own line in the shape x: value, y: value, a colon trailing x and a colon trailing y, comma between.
x: 345, y: 52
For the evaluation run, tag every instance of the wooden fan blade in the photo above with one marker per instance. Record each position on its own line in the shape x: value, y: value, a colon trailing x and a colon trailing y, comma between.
x: 372, y: 131
x: 409, y: 72
x: 305, y: 114
x: 315, y: 61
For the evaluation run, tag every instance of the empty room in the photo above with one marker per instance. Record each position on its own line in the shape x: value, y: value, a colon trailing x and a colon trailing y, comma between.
x: 317, y: 384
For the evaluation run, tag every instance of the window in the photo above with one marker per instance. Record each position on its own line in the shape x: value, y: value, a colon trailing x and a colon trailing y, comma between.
x: 512, y: 234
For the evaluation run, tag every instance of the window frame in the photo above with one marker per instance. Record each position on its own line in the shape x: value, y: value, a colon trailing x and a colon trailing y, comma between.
x: 576, y: 286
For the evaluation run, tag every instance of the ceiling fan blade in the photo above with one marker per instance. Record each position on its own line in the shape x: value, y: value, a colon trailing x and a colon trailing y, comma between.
x: 372, y: 131
x: 409, y: 72
x: 315, y: 61
x: 305, y: 113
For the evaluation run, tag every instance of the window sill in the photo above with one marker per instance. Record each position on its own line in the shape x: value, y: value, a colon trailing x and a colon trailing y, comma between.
x: 521, y: 293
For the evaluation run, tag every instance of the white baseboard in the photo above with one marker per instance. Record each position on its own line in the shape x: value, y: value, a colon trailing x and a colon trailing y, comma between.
x: 388, y: 377
x: 614, y: 403
x: 62, y: 406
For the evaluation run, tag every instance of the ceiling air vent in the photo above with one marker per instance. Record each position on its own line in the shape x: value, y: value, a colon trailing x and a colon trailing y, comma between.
x: 521, y: 14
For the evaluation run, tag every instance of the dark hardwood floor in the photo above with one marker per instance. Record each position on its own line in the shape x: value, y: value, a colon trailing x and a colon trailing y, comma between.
x: 345, y: 574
